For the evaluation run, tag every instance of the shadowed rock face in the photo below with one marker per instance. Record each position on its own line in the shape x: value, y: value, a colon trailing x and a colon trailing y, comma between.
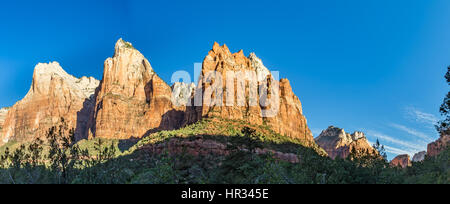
x: 285, y: 115
x: 53, y: 95
x: 419, y: 156
x: 402, y: 161
x: 337, y: 143
x: 435, y: 148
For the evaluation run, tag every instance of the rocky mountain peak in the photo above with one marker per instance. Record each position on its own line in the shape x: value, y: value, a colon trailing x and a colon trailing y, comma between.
x: 283, y: 112
x: 217, y: 49
x: 402, y: 161
x: 358, y: 135
x: 337, y: 143
x: 132, y: 99
x: 127, y: 72
x: 54, y: 94
x: 48, y: 76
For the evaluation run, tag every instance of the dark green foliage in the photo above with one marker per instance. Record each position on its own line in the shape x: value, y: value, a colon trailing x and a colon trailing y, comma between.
x: 63, y: 161
x: 444, y: 126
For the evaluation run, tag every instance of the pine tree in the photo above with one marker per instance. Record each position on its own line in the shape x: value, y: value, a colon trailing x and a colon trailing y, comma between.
x: 444, y: 126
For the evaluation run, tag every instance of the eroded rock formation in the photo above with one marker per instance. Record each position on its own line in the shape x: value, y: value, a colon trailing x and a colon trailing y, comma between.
x: 337, y: 143
x: 241, y: 96
x: 132, y: 100
x: 402, y: 161
x: 53, y: 95
x: 3, y: 113
x: 435, y: 148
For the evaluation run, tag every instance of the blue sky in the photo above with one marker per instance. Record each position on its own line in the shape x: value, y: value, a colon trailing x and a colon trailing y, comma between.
x: 375, y: 66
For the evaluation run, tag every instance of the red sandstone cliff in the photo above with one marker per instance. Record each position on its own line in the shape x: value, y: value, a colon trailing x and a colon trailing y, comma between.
x: 241, y: 97
x: 438, y: 146
x: 53, y: 95
x: 131, y: 99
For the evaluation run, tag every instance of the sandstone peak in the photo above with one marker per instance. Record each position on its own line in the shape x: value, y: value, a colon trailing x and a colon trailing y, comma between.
x: 402, y: 161
x: 51, y: 74
x: 123, y: 47
x: 220, y: 50
x: 131, y: 99
x: 284, y: 114
x: 337, y: 143
x: 49, y: 68
x: 54, y: 94
x: 122, y: 43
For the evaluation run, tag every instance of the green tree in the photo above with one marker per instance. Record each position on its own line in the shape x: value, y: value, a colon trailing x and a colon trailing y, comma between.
x: 444, y: 126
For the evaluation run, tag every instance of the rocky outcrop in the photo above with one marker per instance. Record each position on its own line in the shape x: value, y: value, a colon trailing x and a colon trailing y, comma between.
x: 418, y: 157
x: 402, y: 161
x: 240, y: 96
x: 53, y: 95
x: 337, y: 143
x: 131, y: 100
x: 201, y: 147
x: 3, y: 113
x: 435, y: 148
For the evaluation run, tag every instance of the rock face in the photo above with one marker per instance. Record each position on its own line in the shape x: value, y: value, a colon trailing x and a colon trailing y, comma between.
x: 240, y: 97
x: 438, y: 146
x: 201, y: 147
x: 337, y: 143
x: 131, y: 100
x: 419, y: 156
x: 402, y: 161
x: 182, y: 93
x: 3, y: 113
x: 53, y: 95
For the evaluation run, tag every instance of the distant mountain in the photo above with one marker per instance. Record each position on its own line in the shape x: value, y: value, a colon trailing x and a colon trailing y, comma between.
x: 337, y: 143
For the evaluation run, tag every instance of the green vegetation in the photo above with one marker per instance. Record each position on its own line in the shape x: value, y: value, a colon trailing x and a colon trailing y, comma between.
x: 58, y: 160
x: 444, y: 126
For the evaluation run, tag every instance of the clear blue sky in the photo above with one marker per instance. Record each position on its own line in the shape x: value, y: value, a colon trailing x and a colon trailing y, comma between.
x: 375, y: 66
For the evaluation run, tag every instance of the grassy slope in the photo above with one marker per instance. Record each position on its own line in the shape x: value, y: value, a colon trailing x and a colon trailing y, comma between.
x: 222, y: 130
